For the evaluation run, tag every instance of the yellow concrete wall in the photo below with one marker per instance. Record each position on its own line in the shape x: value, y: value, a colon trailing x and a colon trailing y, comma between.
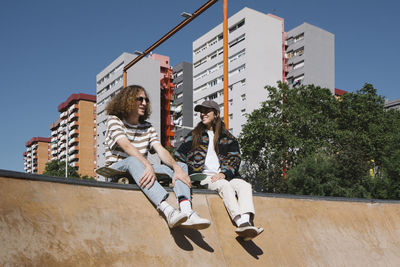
x: 54, y: 224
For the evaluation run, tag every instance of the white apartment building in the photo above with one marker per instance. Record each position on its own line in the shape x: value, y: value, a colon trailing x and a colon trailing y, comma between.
x: 255, y: 60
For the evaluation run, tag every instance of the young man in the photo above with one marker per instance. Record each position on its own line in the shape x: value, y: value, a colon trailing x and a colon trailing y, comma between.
x: 129, y: 138
x: 212, y: 150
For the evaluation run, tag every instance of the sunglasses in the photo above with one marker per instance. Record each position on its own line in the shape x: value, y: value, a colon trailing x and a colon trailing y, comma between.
x: 141, y: 98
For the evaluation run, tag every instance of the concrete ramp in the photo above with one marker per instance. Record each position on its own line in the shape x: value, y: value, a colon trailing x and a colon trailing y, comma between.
x: 47, y: 221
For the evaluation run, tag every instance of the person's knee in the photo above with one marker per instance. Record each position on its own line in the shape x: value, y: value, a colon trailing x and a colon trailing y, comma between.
x: 133, y: 161
x: 183, y: 166
x: 224, y: 185
x: 240, y: 183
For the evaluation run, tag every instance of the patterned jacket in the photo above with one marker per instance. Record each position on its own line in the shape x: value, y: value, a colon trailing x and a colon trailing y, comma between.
x: 228, y: 155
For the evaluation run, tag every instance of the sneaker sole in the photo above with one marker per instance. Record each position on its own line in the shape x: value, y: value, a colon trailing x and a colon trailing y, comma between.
x: 199, y: 226
x: 247, y: 233
x: 250, y: 238
x: 178, y: 223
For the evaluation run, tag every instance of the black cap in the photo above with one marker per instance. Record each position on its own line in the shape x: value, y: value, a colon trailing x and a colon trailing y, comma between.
x: 207, y: 104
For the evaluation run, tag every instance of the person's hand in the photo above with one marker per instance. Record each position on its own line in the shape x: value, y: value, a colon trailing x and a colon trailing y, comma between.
x: 179, y: 174
x: 148, y: 178
x: 218, y: 176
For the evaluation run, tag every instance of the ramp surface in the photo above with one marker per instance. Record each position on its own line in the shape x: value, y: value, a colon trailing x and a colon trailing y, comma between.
x: 47, y: 221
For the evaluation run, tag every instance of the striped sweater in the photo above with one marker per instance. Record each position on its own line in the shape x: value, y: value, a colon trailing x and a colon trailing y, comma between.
x: 142, y: 136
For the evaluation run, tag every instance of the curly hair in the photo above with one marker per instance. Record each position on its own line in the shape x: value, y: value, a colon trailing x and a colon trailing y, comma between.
x: 125, y: 102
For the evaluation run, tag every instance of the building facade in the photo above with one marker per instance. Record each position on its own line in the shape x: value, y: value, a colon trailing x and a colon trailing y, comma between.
x: 395, y: 104
x: 255, y: 61
x: 310, y: 56
x: 260, y: 54
x: 145, y: 73
x: 183, y: 101
x: 37, y: 154
x: 73, y: 135
x: 166, y: 100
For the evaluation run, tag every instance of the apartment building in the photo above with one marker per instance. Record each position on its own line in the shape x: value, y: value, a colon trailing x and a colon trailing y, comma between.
x: 109, y: 82
x: 395, y: 104
x: 37, y: 154
x: 255, y: 61
x: 310, y: 56
x: 183, y: 101
x: 260, y: 53
x: 73, y: 135
x: 166, y: 100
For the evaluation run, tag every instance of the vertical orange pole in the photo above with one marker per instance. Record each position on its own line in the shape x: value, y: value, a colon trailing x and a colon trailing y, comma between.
x: 124, y: 79
x: 225, y: 40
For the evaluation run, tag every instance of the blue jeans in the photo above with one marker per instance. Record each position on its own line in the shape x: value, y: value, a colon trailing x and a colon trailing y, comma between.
x: 156, y: 193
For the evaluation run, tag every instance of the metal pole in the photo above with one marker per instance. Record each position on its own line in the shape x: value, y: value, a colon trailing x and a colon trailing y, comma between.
x: 225, y: 40
x: 169, y: 34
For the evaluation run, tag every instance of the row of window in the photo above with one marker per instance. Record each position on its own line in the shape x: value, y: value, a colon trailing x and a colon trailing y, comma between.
x: 295, y: 39
x: 219, y: 51
x: 177, y: 74
x: 296, y: 66
x: 218, y: 38
x: 219, y: 79
x: 218, y: 66
x: 111, y: 86
x: 297, y: 52
x: 107, y: 76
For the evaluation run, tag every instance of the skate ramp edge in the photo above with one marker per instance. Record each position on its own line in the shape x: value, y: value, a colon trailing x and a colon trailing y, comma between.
x: 48, y: 221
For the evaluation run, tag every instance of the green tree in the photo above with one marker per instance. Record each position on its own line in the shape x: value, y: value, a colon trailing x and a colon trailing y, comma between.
x: 57, y: 168
x: 327, y: 146
x: 290, y: 125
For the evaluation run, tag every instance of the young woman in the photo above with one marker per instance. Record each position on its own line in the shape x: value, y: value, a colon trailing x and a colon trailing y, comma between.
x: 212, y: 150
x: 129, y: 138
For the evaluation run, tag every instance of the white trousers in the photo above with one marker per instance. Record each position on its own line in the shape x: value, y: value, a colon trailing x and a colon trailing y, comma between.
x: 236, y: 194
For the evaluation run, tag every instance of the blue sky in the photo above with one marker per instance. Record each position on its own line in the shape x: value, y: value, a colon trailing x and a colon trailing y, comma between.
x: 50, y: 49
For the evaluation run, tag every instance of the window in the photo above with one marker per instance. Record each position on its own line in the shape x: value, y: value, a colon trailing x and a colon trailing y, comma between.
x: 237, y: 55
x: 298, y: 65
x: 236, y: 26
x: 212, y: 96
x: 299, y: 52
x: 179, y: 84
x: 243, y: 97
x: 237, y: 40
x: 299, y: 37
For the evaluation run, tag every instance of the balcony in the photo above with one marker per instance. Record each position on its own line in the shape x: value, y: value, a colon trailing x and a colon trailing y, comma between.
x: 73, y: 140
x: 75, y: 164
x: 73, y: 158
x: 63, y: 123
x: 73, y: 125
x: 62, y: 147
x: 73, y: 132
x: 73, y: 108
x: 63, y: 115
x: 73, y: 116
x: 72, y: 149
x: 54, y: 152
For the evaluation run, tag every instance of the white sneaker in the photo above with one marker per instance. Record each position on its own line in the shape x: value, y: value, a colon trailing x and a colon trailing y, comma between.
x: 247, y: 231
x: 259, y: 231
x: 196, y: 222
x: 176, y: 218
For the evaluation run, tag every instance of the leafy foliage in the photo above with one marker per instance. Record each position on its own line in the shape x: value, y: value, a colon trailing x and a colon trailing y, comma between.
x: 327, y: 146
x: 57, y: 168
